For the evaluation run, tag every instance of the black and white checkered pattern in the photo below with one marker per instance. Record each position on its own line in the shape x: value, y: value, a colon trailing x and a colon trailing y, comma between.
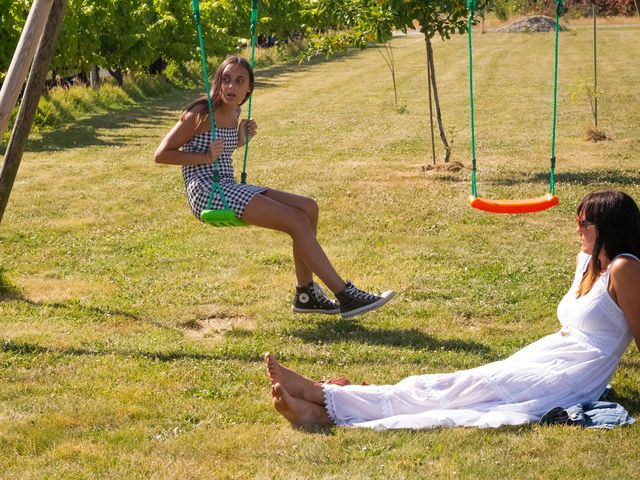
x: 198, y: 179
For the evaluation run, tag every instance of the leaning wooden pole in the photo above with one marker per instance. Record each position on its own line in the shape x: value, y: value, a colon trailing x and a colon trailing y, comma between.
x: 26, y: 49
x: 29, y: 104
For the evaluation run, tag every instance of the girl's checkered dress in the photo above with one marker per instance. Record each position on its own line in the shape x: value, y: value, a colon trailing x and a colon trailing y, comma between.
x: 198, y: 179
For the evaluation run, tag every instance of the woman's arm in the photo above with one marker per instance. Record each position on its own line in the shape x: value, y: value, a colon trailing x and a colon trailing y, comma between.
x: 169, y: 153
x: 625, y: 290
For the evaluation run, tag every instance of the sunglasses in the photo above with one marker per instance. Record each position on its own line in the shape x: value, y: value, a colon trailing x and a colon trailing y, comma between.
x: 583, y: 223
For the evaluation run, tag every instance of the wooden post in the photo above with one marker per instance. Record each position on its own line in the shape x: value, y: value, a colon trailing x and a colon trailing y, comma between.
x: 31, y: 34
x: 595, y: 66
x: 29, y: 104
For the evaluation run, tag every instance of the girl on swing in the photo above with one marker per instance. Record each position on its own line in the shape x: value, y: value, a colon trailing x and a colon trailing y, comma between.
x: 190, y: 144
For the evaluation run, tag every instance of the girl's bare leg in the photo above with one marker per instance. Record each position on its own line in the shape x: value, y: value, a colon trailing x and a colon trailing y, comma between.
x: 304, y: 275
x: 266, y: 212
x: 298, y: 411
x: 295, y: 384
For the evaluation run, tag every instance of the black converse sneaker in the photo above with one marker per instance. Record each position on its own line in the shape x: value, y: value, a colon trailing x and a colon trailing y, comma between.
x: 354, y: 301
x: 312, y: 299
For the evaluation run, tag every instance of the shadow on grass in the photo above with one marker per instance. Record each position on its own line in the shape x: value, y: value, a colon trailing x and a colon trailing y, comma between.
x: 273, y: 71
x: 29, y: 348
x: 345, y: 330
x: 590, y: 177
x: 9, y: 293
x: 629, y: 400
x: 326, y: 430
x: 587, y: 177
x: 629, y: 396
x: 7, y: 290
x: 148, y: 111
x: 84, y: 132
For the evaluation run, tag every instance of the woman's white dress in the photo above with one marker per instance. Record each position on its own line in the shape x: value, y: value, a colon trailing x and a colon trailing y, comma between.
x: 571, y: 366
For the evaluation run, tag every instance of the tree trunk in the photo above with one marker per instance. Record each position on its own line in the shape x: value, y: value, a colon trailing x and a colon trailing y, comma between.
x: 395, y: 88
x: 94, y: 76
x: 391, y: 65
x: 117, y: 74
x: 436, y: 99
x: 433, y: 141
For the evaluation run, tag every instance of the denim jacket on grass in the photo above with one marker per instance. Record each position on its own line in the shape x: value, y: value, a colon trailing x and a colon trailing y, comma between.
x: 600, y: 414
x: 590, y: 415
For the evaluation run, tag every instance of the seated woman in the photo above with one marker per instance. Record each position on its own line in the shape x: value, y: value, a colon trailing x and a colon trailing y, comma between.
x: 599, y: 316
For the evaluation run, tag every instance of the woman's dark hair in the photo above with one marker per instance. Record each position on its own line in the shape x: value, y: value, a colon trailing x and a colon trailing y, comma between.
x: 617, y: 222
x: 200, y: 106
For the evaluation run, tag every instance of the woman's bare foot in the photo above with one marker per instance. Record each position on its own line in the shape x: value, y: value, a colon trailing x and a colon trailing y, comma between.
x: 299, y: 412
x: 295, y: 384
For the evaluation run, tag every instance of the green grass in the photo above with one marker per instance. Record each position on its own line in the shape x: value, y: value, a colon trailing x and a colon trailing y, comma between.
x: 131, y: 334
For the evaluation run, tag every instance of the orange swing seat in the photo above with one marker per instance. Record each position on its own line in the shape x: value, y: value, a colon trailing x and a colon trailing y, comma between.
x: 513, y: 206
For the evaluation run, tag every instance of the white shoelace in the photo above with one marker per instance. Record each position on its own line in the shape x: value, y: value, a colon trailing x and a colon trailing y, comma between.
x: 321, y: 297
x: 359, y: 294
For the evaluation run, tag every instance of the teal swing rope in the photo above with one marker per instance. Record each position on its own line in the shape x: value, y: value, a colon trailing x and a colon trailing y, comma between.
x: 195, y: 5
x: 471, y: 7
x: 552, y: 173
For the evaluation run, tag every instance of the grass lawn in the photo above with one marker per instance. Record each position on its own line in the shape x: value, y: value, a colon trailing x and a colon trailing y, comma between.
x: 131, y: 334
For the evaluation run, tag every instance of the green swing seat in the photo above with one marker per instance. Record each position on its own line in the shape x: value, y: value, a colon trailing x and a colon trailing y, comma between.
x: 222, y: 218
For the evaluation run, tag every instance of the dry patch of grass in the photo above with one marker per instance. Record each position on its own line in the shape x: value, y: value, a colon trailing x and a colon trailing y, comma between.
x: 42, y: 288
x: 613, y: 20
x: 491, y: 22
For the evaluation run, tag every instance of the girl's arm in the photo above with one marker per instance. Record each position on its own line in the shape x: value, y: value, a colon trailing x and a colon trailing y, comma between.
x: 169, y: 153
x: 625, y: 286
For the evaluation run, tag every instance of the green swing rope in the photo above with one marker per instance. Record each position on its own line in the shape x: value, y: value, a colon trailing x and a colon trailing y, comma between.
x: 254, y: 20
x: 195, y: 4
x: 471, y: 7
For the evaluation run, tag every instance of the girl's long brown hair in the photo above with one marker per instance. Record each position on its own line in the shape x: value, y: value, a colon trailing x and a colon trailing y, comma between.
x: 200, y: 106
x: 616, y: 218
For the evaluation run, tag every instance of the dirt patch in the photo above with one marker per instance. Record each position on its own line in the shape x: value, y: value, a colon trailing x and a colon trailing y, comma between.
x: 443, y: 167
x: 596, y: 135
x: 217, y: 326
